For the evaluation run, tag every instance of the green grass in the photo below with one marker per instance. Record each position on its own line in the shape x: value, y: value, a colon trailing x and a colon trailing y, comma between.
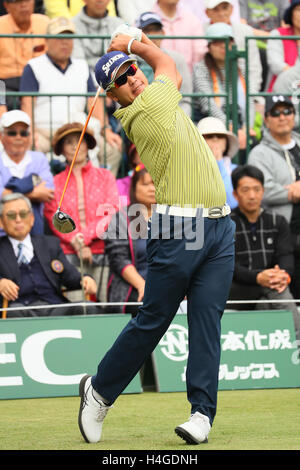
x: 246, y: 420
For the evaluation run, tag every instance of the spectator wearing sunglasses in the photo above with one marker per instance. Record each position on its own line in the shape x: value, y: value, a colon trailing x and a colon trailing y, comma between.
x: 22, y: 170
x: 278, y: 157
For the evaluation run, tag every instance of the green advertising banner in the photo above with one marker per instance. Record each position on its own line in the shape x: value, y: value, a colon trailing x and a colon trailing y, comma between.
x: 46, y: 357
x: 258, y: 351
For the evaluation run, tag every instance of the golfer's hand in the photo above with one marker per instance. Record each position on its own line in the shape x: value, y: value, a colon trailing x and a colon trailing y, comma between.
x: 89, y: 285
x: 8, y: 289
x: 119, y: 43
x: 128, y: 31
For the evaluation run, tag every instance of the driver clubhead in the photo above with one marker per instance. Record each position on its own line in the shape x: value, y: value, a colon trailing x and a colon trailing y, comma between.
x: 63, y: 222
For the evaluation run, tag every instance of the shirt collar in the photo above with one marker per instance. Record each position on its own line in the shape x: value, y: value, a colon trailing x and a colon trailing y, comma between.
x: 177, y: 16
x: 57, y: 66
x: 8, y: 162
x: 16, y: 28
x: 27, y: 244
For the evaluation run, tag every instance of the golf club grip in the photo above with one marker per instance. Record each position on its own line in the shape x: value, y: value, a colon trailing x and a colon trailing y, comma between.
x: 79, y: 143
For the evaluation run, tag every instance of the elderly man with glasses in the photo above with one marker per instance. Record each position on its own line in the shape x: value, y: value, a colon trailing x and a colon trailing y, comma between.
x: 33, y: 268
x: 23, y: 170
x: 278, y: 157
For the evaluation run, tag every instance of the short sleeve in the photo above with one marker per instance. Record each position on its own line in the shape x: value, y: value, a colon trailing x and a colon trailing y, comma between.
x: 28, y: 80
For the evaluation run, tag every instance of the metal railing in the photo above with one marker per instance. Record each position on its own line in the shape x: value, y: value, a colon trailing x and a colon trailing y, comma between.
x: 231, y: 74
x: 192, y: 96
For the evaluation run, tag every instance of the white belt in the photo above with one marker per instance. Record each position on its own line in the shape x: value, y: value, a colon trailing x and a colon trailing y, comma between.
x: 210, y: 212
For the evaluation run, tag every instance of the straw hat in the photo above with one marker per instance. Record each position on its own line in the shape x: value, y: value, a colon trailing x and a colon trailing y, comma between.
x: 211, y: 125
x: 70, y: 128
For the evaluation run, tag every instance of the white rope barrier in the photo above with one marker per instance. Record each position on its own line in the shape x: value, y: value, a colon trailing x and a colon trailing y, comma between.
x: 112, y: 304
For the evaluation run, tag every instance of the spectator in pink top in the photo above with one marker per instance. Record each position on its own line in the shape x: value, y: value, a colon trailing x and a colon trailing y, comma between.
x: 179, y: 21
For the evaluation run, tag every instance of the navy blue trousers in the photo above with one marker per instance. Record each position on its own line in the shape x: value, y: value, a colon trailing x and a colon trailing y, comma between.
x: 204, y: 276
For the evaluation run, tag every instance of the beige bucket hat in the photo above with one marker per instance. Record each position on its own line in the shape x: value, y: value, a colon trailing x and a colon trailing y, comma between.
x: 211, y: 125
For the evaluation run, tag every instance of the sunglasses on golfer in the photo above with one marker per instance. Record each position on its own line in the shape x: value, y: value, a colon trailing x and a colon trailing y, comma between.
x: 23, y: 214
x: 15, y: 133
x: 278, y: 112
x: 122, y: 79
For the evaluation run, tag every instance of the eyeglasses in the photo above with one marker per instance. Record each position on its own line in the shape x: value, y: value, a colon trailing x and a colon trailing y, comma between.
x: 13, y: 215
x: 122, y: 79
x: 15, y: 133
x: 284, y: 112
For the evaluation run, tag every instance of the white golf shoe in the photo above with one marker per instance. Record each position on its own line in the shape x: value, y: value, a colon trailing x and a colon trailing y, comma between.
x: 91, y: 412
x: 195, y: 430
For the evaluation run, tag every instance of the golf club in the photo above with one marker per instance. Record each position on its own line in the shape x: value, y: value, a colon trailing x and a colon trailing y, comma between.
x: 62, y: 221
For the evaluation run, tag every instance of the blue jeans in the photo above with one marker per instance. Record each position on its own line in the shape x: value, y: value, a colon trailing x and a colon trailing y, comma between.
x: 204, y: 276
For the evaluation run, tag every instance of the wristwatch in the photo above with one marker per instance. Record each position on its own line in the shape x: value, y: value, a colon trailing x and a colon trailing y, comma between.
x: 36, y: 179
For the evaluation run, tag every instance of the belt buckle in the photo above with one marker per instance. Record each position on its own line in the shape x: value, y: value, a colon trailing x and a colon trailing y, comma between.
x: 214, y: 212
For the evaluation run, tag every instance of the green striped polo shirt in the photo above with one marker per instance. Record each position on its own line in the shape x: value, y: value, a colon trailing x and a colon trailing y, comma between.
x: 183, y: 169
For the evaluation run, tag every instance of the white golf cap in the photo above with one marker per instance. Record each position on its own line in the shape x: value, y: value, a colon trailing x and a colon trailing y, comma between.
x: 214, y: 3
x: 11, y: 117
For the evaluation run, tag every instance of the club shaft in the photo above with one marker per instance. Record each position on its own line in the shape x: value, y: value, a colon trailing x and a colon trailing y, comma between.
x: 4, y: 306
x: 78, y: 145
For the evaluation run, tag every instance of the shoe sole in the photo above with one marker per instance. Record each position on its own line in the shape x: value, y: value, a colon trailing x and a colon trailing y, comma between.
x: 81, y: 394
x: 187, y: 437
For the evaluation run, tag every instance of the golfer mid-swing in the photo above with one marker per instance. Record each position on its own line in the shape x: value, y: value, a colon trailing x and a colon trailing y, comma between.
x: 188, y: 187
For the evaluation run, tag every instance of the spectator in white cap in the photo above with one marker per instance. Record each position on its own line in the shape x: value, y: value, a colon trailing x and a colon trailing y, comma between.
x: 220, y: 11
x: 224, y: 146
x: 151, y: 24
x: 22, y: 170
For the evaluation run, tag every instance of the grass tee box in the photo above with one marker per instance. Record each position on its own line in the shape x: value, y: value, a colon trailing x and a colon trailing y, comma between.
x: 258, y: 350
x: 46, y: 357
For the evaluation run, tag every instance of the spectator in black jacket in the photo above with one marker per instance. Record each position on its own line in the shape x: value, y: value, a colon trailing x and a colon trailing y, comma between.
x: 263, y: 250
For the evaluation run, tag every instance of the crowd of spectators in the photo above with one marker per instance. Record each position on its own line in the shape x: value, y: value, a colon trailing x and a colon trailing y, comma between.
x: 39, y: 133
